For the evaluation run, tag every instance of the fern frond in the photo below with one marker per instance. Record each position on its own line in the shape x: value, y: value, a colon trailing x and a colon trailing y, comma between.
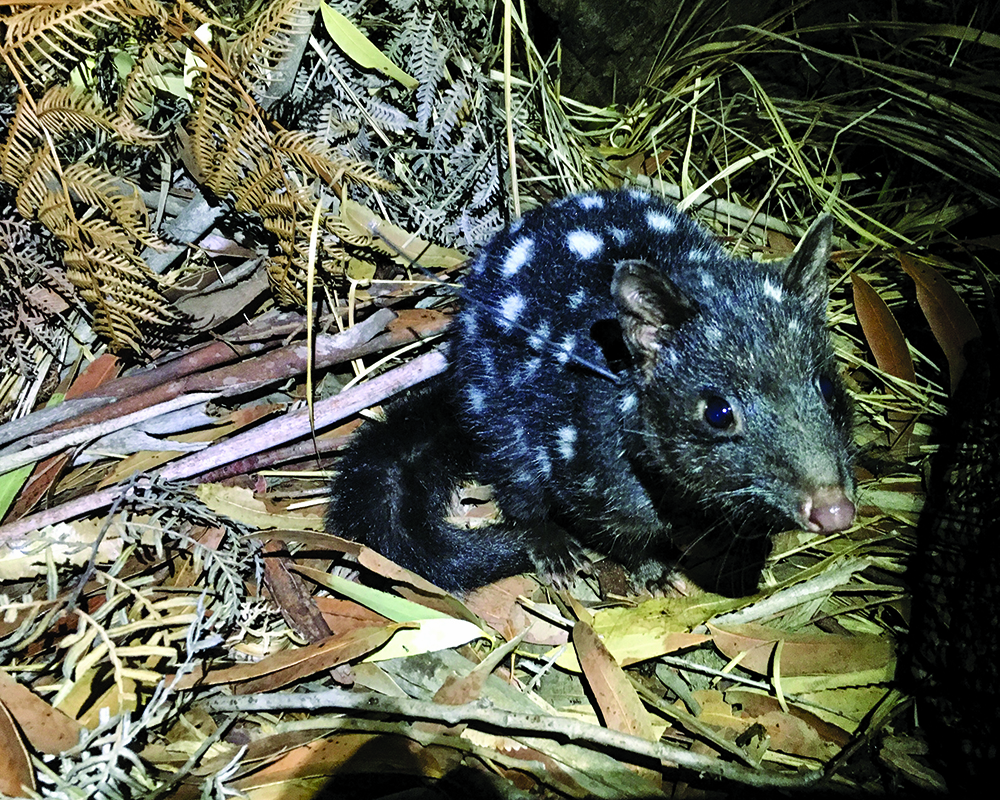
x: 115, y: 197
x: 426, y: 64
x: 286, y: 274
x: 331, y: 125
x: 45, y: 42
x: 226, y: 135
x: 387, y: 115
x: 107, y: 236
x: 63, y: 110
x: 308, y: 152
x: 38, y: 183
x: 122, y: 293
x: 277, y: 34
x: 313, y: 156
x: 346, y: 233
x: 450, y: 110
x: 23, y: 137
x: 257, y: 192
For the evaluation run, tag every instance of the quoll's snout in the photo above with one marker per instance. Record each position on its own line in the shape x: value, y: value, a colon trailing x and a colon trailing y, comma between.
x: 827, y: 510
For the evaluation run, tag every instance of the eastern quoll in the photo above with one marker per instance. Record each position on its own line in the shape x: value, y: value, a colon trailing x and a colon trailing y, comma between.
x: 625, y: 386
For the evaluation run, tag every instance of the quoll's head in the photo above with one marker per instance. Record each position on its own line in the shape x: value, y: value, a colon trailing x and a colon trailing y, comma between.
x: 741, y: 404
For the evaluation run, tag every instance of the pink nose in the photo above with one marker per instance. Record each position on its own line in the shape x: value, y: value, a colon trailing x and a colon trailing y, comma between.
x: 828, y: 510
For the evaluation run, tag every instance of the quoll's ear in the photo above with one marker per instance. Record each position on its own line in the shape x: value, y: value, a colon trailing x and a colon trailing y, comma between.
x: 650, y: 307
x: 805, y: 272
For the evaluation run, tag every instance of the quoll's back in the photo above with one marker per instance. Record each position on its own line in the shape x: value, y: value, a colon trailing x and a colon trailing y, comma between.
x: 626, y: 385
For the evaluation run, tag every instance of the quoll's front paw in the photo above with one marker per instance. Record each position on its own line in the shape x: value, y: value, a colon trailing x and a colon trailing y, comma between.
x: 558, y: 559
x: 660, y: 579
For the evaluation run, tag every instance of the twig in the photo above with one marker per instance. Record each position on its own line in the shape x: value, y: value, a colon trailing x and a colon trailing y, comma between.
x: 511, y: 723
x: 12, y: 460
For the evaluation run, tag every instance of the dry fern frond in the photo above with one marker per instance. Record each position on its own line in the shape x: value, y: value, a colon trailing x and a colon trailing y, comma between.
x: 18, y: 151
x: 117, y: 198
x: 37, y: 184
x: 46, y: 41
x: 122, y: 292
x: 101, y: 242
x: 64, y: 110
x: 234, y: 150
x: 226, y: 135
x: 264, y: 190
x: 311, y: 154
x: 258, y: 55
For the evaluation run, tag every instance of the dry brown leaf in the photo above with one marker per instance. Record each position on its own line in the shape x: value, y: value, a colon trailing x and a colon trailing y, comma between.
x: 287, y: 666
x: 47, y: 729
x: 98, y: 372
x: 389, y: 569
x: 794, y: 731
x: 289, y: 591
x: 882, y: 332
x: 16, y: 773
x: 497, y: 604
x: 949, y: 317
x: 342, y: 615
x: 620, y: 706
x: 802, y: 653
x: 422, y: 321
x: 347, y: 753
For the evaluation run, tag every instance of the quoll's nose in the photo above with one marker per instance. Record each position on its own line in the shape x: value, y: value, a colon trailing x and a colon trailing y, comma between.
x: 828, y: 509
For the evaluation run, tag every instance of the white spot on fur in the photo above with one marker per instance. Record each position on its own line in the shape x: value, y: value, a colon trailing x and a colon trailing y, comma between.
x: 566, y: 348
x: 517, y: 444
x: 576, y: 299
x: 487, y: 369
x: 531, y: 366
x: 639, y: 194
x: 471, y: 324
x: 620, y: 235
x: 567, y: 442
x: 660, y: 222
x: 477, y: 402
x: 511, y: 307
x: 540, y: 337
x: 707, y: 281
x: 591, y: 201
x: 699, y: 256
x: 517, y: 256
x: 544, y: 462
x: 628, y: 403
x: 527, y: 478
x: 773, y: 291
x: 584, y: 243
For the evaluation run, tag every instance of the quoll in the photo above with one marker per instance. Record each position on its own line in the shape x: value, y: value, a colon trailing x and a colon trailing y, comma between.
x: 625, y: 386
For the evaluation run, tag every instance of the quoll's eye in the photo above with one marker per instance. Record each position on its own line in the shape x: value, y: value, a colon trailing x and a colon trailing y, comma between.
x: 825, y: 387
x: 718, y: 412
